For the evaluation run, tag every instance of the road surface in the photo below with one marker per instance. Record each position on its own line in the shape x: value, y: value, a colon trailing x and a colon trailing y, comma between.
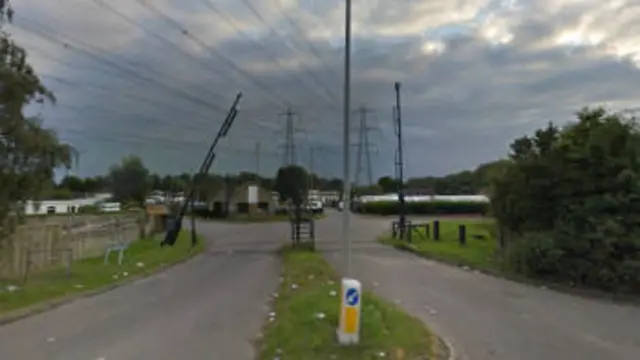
x: 484, y: 317
x: 209, y: 308
x: 213, y: 306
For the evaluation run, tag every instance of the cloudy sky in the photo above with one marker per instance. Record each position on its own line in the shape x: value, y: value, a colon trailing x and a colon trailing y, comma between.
x: 155, y: 77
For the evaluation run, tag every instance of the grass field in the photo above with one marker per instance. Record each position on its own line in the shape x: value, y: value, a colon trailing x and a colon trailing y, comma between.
x: 477, y: 253
x: 143, y: 257
x: 306, y: 316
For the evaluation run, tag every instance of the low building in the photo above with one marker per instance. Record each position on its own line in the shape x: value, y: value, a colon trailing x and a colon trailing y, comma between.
x: 326, y: 196
x: 71, y: 206
x: 244, y: 199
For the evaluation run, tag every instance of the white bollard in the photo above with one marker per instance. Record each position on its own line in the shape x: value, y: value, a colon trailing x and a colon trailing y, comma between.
x: 350, y: 300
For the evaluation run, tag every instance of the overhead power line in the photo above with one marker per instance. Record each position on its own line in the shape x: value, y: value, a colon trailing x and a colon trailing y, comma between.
x: 125, y: 70
x: 46, y: 35
x: 187, y: 147
x: 173, y: 46
x: 259, y: 44
x: 269, y: 91
x: 300, y: 31
x: 331, y: 96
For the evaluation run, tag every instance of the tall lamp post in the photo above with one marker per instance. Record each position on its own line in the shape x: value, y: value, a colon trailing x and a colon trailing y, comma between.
x: 346, y: 176
x: 350, y: 298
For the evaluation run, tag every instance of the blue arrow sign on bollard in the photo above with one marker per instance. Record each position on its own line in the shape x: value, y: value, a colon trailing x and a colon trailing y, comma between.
x: 352, y: 297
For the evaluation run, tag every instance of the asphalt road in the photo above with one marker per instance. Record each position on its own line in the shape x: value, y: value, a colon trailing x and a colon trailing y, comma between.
x: 485, y: 317
x: 209, y: 308
x: 213, y: 306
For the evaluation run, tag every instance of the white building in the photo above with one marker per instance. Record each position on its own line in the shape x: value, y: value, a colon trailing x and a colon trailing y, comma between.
x: 43, y: 207
x: 422, y: 198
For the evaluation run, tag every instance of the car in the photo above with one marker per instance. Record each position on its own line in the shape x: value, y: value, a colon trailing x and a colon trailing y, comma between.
x: 315, y: 207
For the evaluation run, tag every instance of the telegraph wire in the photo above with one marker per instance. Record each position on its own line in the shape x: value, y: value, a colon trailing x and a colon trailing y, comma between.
x: 101, y: 61
x: 135, y: 96
x: 279, y: 99
x: 101, y: 110
x: 270, y: 156
x: 143, y: 116
x: 41, y: 54
x: 163, y: 40
x: 331, y: 96
x: 167, y: 142
x: 46, y: 36
x: 299, y: 30
x: 231, y: 21
x: 111, y: 64
x: 44, y: 33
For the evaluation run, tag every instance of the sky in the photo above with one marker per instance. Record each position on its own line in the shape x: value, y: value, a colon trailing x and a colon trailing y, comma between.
x: 155, y: 78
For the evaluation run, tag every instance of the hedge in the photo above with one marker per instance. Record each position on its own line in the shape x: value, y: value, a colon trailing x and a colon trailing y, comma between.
x: 424, y: 207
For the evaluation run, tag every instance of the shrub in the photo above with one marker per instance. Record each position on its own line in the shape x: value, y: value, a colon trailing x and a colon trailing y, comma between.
x: 89, y: 209
x: 424, y: 207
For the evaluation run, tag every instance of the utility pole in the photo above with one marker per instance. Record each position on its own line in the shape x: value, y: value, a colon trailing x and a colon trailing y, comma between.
x: 363, y: 146
x: 311, y: 170
x: 394, y: 117
x: 171, y: 235
x: 289, y: 141
x: 257, y: 157
x: 400, y: 163
x: 346, y: 176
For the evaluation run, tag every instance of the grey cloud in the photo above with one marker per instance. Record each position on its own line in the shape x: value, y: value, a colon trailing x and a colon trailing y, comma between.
x: 460, y: 108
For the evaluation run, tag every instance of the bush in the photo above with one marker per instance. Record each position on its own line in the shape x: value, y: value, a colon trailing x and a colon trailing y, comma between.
x: 424, y: 208
x: 535, y: 255
x: 89, y: 209
x: 571, y: 197
x: 549, y: 256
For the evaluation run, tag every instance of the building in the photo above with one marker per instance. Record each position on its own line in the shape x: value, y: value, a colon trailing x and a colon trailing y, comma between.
x: 244, y: 199
x: 425, y: 198
x: 43, y: 207
x: 326, y: 197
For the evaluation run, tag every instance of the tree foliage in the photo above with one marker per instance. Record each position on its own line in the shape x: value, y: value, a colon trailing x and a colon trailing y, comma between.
x: 130, y: 180
x: 292, y: 183
x: 29, y: 153
x: 570, y: 199
x: 469, y: 182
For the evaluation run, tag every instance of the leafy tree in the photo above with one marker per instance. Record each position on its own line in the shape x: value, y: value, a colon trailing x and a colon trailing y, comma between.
x: 388, y: 185
x: 292, y: 183
x: 130, y: 180
x: 73, y: 184
x: 29, y: 153
x: 570, y: 201
x: 368, y: 190
x: 155, y: 181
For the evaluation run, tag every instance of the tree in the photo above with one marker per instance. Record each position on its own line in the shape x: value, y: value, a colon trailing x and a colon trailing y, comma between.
x: 29, y: 153
x: 292, y: 183
x: 130, y: 180
x: 388, y: 185
x: 74, y: 184
x: 155, y: 182
x: 570, y: 199
x: 368, y: 190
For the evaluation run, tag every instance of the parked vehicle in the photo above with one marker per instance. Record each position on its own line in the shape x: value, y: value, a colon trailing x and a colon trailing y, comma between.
x: 315, y: 207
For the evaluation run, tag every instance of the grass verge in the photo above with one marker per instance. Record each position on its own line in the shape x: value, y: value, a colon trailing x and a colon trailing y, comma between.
x: 306, y: 316
x: 479, y: 252
x: 484, y: 255
x: 143, y: 257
